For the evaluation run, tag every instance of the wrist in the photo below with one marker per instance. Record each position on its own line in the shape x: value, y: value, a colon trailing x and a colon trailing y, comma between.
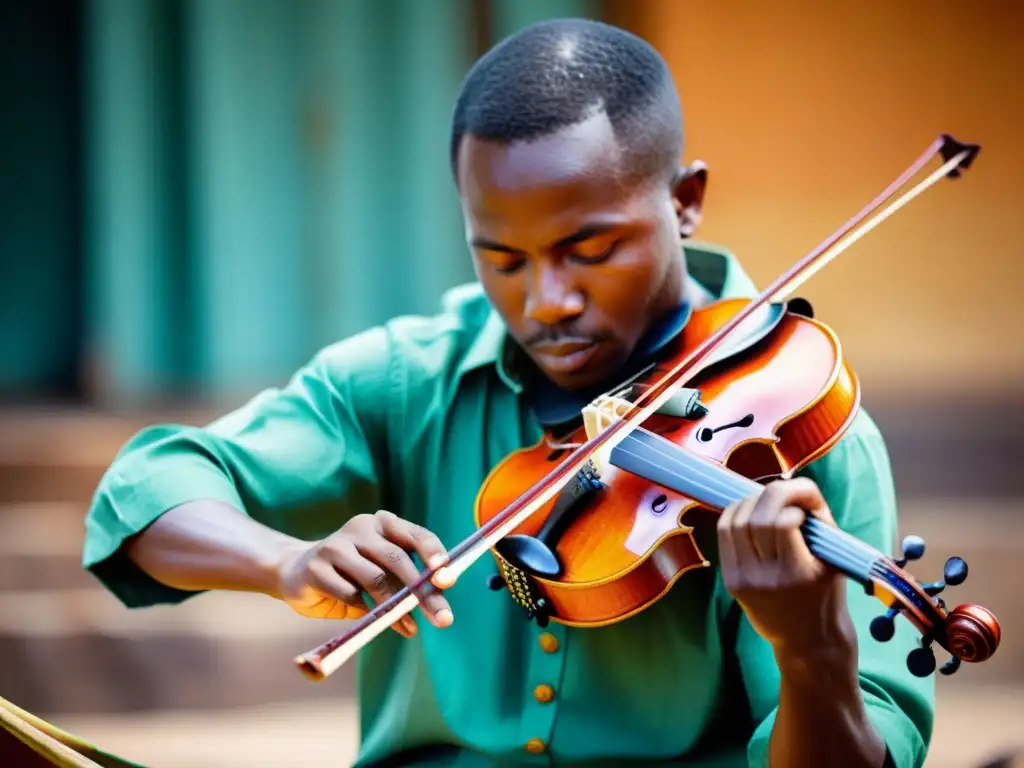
x: 828, y: 652
x: 276, y: 562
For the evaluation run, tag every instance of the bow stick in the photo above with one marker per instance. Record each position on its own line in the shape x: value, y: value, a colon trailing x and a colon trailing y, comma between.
x: 327, y: 658
x: 41, y: 743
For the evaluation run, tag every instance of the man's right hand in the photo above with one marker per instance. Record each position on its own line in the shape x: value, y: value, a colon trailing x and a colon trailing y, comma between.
x: 325, y: 579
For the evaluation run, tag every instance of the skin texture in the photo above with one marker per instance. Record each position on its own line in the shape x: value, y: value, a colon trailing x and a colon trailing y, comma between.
x: 574, y: 255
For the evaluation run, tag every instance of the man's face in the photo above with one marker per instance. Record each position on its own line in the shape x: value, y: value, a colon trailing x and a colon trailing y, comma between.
x: 576, y: 258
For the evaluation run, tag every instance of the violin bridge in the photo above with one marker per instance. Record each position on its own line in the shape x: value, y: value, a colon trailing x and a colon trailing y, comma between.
x: 605, y: 410
x: 602, y: 412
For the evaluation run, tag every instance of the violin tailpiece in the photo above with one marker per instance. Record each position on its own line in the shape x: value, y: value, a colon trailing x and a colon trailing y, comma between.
x: 523, y: 590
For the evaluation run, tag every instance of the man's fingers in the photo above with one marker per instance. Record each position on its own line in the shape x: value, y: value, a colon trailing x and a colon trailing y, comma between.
x: 726, y: 547
x: 391, y: 557
x: 742, y: 544
x: 804, y: 493
x: 761, y: 527
x: 377, y: 582
x: 789, y: 540
x: 423, y: 542
x: 414, y: 538
x: 322, y: 577
x: 346, y: 599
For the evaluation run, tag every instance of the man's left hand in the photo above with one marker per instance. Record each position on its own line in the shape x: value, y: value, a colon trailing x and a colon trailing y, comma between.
x: 793, y: 600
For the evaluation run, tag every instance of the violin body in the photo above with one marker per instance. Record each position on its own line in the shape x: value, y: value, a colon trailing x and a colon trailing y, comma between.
x: 773, y: 402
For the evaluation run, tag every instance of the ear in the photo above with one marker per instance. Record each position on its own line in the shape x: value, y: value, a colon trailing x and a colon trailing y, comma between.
x: 688, y: 196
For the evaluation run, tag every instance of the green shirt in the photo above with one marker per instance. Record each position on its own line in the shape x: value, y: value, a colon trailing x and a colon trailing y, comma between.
x: 410, y: 417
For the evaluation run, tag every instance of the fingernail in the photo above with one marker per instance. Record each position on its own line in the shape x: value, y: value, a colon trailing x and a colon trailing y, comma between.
x: 443, y: 578
x: 436, y: 561
x: 445, y: 617
x: 409, y: 623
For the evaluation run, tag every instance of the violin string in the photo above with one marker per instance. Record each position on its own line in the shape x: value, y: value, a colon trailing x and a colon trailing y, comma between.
x: 883, y: 572
x: 718, y: 486
x: 675, y: 466
x: 734, y: 484
x: 826, y: 543
x: 844, y: 539
x: 836, y: 552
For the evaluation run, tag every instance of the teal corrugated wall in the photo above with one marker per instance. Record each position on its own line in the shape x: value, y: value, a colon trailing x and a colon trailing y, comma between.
x: 261, y: 177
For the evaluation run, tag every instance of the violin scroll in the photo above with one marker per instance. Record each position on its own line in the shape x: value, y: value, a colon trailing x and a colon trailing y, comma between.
x: 969, y: 632
x: 973, y: 632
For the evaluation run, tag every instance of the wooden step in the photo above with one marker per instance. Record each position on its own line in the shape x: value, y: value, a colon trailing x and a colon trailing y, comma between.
x: 81, y: 651
x: 59, y: 455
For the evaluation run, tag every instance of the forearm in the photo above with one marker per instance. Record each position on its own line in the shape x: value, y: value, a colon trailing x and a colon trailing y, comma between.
x: 821, y: 719
x: 209, y: 545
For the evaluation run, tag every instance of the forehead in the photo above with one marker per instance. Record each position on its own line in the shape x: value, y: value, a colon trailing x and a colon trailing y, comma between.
x: 568, y: 173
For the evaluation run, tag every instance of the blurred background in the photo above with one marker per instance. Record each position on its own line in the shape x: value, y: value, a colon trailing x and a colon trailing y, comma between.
x: 196, y: 196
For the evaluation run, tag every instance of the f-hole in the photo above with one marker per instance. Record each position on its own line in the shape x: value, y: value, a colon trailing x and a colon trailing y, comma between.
x: 705, y: 434
x: 659, y: 505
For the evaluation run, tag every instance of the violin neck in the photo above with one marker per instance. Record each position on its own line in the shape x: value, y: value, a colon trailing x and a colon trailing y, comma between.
x: 713, y: 485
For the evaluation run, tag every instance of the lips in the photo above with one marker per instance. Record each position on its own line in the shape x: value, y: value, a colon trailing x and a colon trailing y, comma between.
x: 565, y: 356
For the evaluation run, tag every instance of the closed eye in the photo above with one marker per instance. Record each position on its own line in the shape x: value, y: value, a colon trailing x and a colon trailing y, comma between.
x: 508, y: 269
x: 594, y: 258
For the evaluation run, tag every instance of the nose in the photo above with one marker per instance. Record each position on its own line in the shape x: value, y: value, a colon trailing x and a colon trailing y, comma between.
x: 552, y: 298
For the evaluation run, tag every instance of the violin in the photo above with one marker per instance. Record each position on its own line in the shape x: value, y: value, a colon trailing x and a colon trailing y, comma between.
x: 589, y: 528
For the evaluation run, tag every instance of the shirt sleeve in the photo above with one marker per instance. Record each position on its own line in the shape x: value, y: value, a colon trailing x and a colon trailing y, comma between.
x: 856, y: 480
x: 301, y: 459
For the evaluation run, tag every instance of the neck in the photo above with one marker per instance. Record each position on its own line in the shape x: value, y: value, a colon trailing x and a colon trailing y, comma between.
x: 713, y: 485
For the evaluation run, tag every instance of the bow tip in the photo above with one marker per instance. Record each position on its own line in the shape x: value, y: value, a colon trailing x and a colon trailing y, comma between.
x: 952, y: 147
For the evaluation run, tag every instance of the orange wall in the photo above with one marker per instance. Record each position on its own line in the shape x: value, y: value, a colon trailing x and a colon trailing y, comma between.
x: 805, y: 111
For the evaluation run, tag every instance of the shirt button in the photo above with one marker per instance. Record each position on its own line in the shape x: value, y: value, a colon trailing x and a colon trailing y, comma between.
x: 535, y: 746
x: 544, y: 693
x: 548, y: 643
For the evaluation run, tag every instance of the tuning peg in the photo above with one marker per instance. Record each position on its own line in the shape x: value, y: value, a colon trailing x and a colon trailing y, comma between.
x: 921, y: 661
x: 495, y: 583
x: 913, y: 549
x: 950, y: 666
x: 882, y: 627
x: 954, y: 573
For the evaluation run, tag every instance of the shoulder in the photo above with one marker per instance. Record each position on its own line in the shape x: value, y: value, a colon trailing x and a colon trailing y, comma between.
x: 860, y: 454
x: 414, y: 348
x: 717, y: 270
x: 406, y: 373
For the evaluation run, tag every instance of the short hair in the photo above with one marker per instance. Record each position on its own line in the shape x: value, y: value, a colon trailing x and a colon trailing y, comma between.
x: 557, y: 73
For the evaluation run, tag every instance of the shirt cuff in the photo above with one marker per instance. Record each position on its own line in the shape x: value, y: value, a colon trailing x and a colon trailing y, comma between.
x: 904, y: 745
x: 121, y: 509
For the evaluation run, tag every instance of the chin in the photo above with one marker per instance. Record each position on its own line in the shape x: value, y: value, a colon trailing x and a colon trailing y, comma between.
x: 574, y: 381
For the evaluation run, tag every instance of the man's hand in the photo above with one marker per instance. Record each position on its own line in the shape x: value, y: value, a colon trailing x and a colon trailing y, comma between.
x: 792, y: 599
x: 325, y: 579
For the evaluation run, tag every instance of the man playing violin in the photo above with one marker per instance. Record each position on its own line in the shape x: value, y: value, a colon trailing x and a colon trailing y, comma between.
x: 579, y: 217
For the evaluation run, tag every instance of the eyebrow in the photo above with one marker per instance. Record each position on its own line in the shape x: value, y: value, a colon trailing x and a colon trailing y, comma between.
x: 583, y: 233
